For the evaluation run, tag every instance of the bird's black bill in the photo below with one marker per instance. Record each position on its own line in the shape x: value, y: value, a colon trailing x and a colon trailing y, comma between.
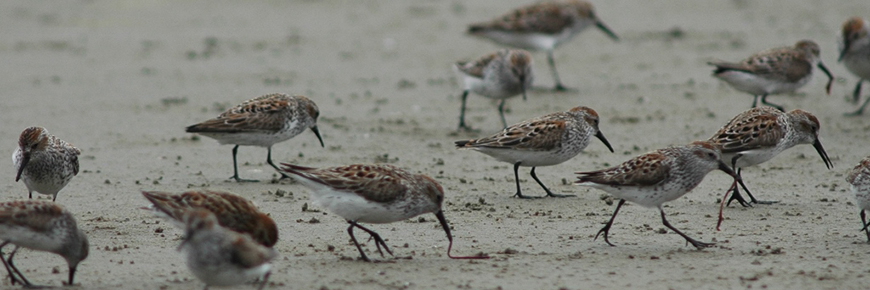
x: 317, y: 133
x: 443, y: 221
x: 523, y: 86
x: 604, y: 140
x: 843, y: 51
x: 606, y: 30
x: 823, y: 154
x: 184, y: 239
x: 25, y: 159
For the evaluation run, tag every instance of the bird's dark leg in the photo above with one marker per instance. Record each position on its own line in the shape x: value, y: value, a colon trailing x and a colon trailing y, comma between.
x: 549, y: 193
x: 22, y: 281
x: 378, y: 240
x: 13, y: 279
x: 764, y: 101
x: 462, y: 125
x: 236, y: 167
x: 748, y: 193
x: 265, y: 280
x: 697, y: 244
x: 356, y: 243
x: 856, y: 96
x: 559, y: 87
x: 517, y: 179
x: 269, y: 160
x: 606, y: 228
x: 860, y: 110
x: 865, y: 229
x: 735, y: 194
x: 501, y: 113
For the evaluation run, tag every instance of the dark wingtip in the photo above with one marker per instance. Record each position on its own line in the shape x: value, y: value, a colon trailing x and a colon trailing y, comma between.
x: 191, y: 129
x: 287, y: 167
x: 475, y: 28
x: 719, y: 69
x: 462, y: 143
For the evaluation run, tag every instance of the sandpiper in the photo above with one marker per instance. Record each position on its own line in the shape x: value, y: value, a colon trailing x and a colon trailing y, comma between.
x: 263, y: 122
x: 221, y: 257
x: 774, y: 71
x: 542, y: 26
x: 758, y: 134
x: 233, y: 212
x: 499, y: 75
x: 374, y: 193
x: 42, y: 226
x: 855, y: 55
x: 859, y: 183
x: 657, y: 177
x: 44, y: 162
x: 543, y: 141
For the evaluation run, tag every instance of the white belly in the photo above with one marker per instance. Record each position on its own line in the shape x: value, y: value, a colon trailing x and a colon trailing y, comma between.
x: 529, y: 158
x: 647, y: 196
x: 28, y: 238
x: 858, y: 64
x: 751, y: 157
x: 862, y: 195
x: 355, y: 208
x: 756, y: 85
x: 229, y: 276
x: 490, y: 88
x: 530, y: 41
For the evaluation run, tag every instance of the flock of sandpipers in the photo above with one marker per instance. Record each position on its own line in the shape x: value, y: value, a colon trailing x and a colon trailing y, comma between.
x: 228, y: 241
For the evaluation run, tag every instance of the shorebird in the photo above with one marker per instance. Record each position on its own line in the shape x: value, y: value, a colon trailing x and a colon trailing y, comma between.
x: 759, y: 134
x: 232, y: 211
x: 221, y: 257
x: 855, y: 55
x: 499, y: 75
x: 263, y: 122
x: 45, y: 163
x: 374, y: 193
x: 542, y: 26
x: 774, y: 71
x: 543, y: 141
x: 657, y: 177
x: 42, y: 226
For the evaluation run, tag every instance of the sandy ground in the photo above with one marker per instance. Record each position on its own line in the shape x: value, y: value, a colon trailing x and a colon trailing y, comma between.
x: 121, y: 80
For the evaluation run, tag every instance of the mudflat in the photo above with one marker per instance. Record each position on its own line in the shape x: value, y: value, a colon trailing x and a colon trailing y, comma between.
x: 121, y: 80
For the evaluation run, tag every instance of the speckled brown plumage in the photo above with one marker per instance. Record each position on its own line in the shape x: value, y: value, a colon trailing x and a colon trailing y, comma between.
x: 233, y: 212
